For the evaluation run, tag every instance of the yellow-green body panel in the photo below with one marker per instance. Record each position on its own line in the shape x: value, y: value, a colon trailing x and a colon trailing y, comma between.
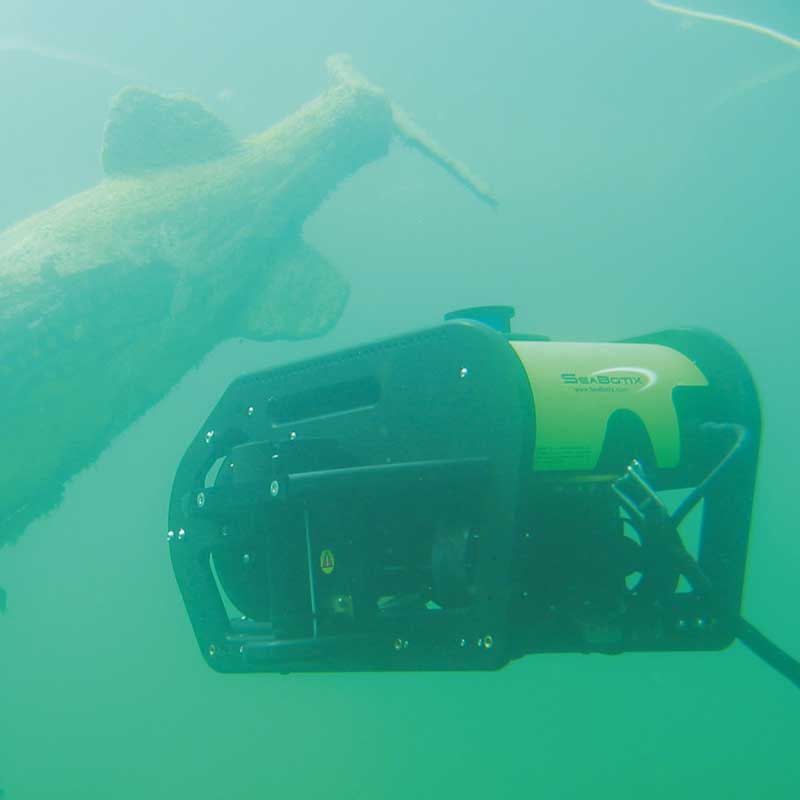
x: 577, y: 386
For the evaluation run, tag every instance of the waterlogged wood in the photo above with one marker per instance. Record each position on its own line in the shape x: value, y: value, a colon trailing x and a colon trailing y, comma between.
x: 109, y: 297
x: 734, y: 22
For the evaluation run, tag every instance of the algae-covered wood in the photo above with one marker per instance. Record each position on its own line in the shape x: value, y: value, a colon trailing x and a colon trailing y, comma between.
x: 109, y: 297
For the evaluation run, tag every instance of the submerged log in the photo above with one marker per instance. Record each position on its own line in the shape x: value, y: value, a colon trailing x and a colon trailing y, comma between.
x: 109, y: 297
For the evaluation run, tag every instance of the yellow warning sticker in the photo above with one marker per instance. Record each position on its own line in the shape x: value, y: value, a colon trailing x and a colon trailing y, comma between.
x: 326, y: 561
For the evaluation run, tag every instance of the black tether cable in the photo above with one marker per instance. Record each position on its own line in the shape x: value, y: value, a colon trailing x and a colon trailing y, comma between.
x: 742, y: 439
x: 669, y: 539
x: 768, y: 651
x: 749, y: 636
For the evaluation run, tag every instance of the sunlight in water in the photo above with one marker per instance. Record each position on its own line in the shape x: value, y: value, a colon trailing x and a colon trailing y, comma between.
x: 737, y: 23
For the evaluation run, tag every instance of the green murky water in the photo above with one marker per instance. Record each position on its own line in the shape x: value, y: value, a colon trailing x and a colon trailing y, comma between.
x: 646, y: 167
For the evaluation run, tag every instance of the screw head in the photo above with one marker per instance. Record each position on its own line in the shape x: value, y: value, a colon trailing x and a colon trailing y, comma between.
x: 488, y: 642
x: 181, y: 533
x: 400, y: 644
x: 293, y: 435
x: 209, y: 436
x: 250, y: 411
x: 170, y: 535
x: 246, y: 559
x: 212, y: 650
x: 463, y: 372
x: 201, y: 499
x: 274, y: 488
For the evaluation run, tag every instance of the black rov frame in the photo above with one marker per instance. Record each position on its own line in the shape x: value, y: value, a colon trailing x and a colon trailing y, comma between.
x: 377, y: 509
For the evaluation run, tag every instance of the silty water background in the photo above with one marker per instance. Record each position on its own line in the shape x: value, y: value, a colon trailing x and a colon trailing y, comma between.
x: 647, y: 171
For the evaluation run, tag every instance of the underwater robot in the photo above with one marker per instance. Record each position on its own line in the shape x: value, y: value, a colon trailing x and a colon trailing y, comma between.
x: 463, y: 496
